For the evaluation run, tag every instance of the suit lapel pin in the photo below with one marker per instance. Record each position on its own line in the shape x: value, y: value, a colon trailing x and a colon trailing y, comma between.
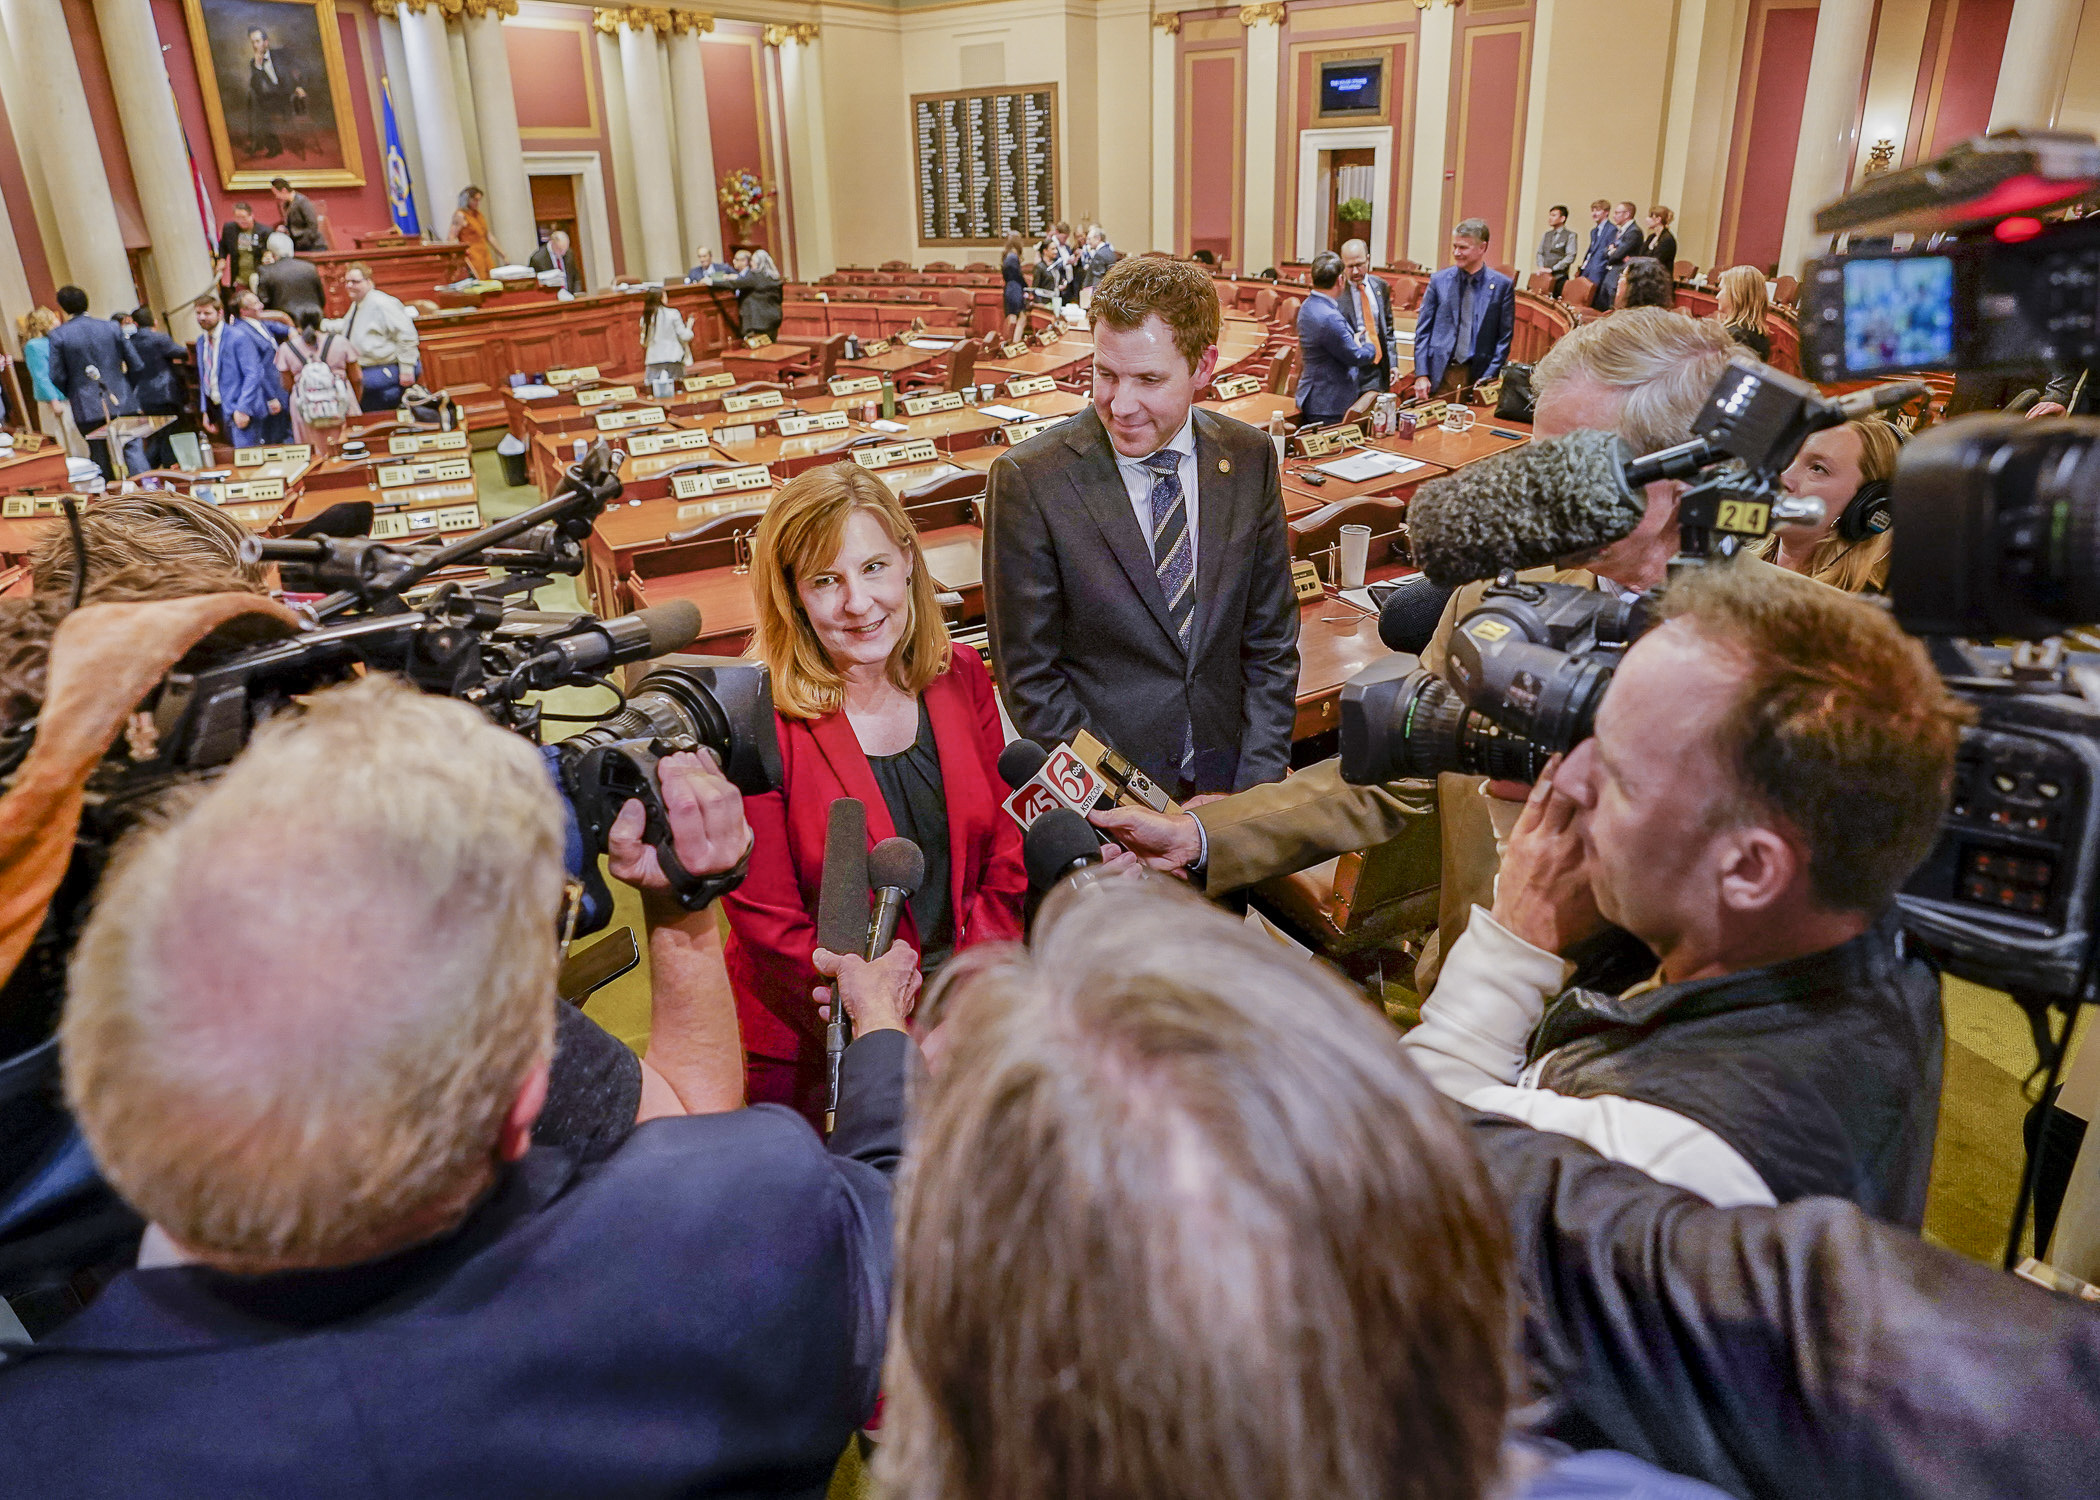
x: 1224, y: 466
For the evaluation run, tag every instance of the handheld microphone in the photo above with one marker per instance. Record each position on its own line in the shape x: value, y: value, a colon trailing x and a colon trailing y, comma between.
x: 603, y: 644
x: 896, y: 869
x: 1019, y: 762
x: 1409, y: 616
x: 1057, y: 844
x: 842, y: 917
x: 1525, y: 508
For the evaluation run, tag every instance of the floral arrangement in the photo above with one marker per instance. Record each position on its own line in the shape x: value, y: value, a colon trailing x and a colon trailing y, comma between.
x: 1354, y: 211
x: 743, y: 195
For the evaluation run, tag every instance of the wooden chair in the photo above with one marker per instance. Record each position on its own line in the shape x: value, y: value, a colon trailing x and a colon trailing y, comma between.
x: 1314, y: 532
x: 1539, y: 284
x: 1265, y: 304
x: 962, y: 484
x: 1287, y: 311
x: 1578, y: 291
x: 895, y: 265
x: 1789, y: 290
x: 939, y: 265
x: 1686, y: 270
x: 1365, y: 908
x: 1283, y: 374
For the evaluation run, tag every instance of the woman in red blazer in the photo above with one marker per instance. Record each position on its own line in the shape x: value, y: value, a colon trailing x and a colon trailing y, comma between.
x: 874, y: 702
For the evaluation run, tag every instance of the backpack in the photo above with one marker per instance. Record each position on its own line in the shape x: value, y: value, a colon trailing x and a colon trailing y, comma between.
x: 317, y: 396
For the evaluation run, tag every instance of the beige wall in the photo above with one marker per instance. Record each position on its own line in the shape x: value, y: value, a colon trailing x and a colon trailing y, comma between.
x: 869, y: 138
x: 2081, y: 107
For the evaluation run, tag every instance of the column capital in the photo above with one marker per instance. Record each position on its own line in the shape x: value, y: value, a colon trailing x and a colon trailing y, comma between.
x: 1267, y: 12
x: 1426, y: 4
x: 803, y: 32
x: 485, y: 9
x: 448, y: 10
x: 697, y: 22
x: 1168, y: 21
x: 634, y: 18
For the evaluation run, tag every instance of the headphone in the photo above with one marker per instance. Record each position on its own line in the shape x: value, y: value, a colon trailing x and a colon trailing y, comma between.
x: 1866, y: 513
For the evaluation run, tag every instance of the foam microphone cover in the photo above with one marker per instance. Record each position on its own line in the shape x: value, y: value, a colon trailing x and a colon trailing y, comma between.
x: 1409, y: 616
x: 344, y: 518
x: 842, y: 896
x: 896, y: 865
x: 1055, y: 842
x: 1524, y: 508
x: 1020, y: 761
x: 672, y: 626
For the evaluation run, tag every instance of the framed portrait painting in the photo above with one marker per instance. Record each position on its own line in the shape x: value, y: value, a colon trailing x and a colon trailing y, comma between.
x: 275, y: 92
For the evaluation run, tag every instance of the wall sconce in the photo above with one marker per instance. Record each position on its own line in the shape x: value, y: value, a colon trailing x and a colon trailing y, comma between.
x: 1880, y: 158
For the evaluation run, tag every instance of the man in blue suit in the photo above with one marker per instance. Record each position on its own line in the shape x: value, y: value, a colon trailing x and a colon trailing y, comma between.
x: 1625, y: 241
x: 1333, y: 355
x: 81, y: 344
x: 1602, y: 233
x: 250, y: 392
x: 1468, y: 313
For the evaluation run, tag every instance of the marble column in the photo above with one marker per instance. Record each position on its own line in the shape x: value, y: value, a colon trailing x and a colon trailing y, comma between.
x: 809, y: 169
x: 508, y: 205
x: 2038, y: 46
x: 1264, y: 23
x: 62, y: 133
x: 395, y: 59
x: 618, y: 137
x: 701, y: 210
x: 1829, y: 126
x: 1425, y: 209
x: 463, y: 98
x: 1165, y: 165
x: 648, y: 129
x: 430, y: 84
x: 182, y: 263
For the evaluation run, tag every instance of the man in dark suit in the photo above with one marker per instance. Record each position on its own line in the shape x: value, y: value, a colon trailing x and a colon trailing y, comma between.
x: 298, y: 217
x: 1468, y: 314
x: 1626, y: 241
x: 1602, y: 235
x: 82, y: 344
x: 1137, y: 566
x: 354, y: 1239
x: 287, y: 284
x: 1367, y: 301
x: 556, y: 255
x: 1334, y: 357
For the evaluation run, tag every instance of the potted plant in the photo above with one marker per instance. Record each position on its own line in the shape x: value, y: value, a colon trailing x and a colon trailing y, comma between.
x: 1355, y: 214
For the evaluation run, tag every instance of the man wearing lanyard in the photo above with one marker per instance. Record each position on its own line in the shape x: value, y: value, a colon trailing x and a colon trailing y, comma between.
x: 1468, y: 314
x: 380, y: 329
x: 206, y: 361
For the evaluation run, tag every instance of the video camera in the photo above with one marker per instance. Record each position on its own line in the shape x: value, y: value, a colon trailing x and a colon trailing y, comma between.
x: 1998, y: 542
x: 462, y: 640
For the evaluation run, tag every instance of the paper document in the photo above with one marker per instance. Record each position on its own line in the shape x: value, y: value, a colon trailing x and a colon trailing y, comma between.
x: 1008, y: 413
x: 1369, y: 464
x: 931, y: 343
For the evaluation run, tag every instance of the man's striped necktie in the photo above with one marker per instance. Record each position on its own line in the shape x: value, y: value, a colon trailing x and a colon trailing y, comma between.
x: 1173, y: 552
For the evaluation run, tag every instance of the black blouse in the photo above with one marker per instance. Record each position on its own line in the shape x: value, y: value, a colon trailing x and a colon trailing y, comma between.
x: 918, y: 806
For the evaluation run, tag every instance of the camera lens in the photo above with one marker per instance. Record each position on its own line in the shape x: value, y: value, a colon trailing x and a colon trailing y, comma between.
x: 1411, y: 724
x: 726, y: 705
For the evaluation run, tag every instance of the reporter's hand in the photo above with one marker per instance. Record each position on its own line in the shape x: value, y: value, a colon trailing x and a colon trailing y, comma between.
x: 706, y: 814
x: 1161, y: 841
x: 878, y: 996
x: 2045, y: 409
x: 1543, y: 894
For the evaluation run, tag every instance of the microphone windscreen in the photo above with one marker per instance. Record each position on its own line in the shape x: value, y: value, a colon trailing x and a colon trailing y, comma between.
x: 1054, y: 842
x: 896, y: 864
x: 344, y: 518
x: 842, y: 896
x: 1409, y: 616
x: 1019, y: 761
x: 1530, y: 506
x: 673, y: 625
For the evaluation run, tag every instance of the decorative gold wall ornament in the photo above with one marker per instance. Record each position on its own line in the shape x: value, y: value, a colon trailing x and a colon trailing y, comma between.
x: 803, y: 32
x: 698, y: 22
x: 1881, y: 158
x: 1270, y: 11
x: 482, y: 9
x: 634, y: 18
x: 1168, y: 21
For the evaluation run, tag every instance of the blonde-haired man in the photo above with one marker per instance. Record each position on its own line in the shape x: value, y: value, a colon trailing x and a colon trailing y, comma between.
x: 310, y: 1027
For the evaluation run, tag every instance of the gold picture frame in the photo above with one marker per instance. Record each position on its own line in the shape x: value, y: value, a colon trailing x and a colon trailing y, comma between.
x: 290, y: 115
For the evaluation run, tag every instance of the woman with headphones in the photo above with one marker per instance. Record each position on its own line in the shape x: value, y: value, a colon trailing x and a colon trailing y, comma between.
x: 1848, y: 468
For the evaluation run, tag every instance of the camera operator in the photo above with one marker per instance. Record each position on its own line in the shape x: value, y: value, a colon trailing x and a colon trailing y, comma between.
x: 1183, y: 1223
x: 1769, y: 766
x: 307, y: 1036
x: 1781, y: 1352
x: 1644, y: 373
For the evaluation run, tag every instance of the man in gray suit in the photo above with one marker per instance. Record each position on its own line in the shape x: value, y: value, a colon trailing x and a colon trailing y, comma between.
x: 1137, y: 566
x: 1363, y: 294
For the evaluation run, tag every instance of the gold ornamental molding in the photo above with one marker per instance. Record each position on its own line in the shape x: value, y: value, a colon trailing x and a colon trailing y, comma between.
x: 449, y: 9
x: 634, y: 18
x: 803, y: 32
x: 1168, y: 21
x: 483, y: 9
x: 1268, y: 12
x: 698, y: 22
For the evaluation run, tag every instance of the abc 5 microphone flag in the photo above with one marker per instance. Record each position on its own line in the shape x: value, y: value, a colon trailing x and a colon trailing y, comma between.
x: 399, y: 200
x: 1064, y: 781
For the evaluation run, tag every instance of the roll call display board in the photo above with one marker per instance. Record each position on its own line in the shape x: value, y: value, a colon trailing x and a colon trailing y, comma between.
x: 987, y: 161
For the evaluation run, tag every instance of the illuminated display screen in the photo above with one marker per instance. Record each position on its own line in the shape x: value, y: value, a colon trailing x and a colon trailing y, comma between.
x: 1350, y: 88
x: 1899, y: 313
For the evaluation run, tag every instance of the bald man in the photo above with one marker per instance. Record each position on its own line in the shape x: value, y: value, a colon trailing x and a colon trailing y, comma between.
x: 1367, y: 302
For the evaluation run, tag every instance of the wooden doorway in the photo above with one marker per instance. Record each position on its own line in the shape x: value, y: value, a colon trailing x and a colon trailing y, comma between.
x: 1350, y: 178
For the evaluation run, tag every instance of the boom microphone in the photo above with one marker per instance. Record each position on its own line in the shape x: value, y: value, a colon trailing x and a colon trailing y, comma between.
x: 1525, y: 508
x: 896, y: 869
x: 655, y: 631
x: 842, y: 914
x: 1409, y: 616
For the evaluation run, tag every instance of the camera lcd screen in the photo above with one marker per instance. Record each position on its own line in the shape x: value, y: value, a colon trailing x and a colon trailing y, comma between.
x: 1899, y: 313
x: 1350, y: 88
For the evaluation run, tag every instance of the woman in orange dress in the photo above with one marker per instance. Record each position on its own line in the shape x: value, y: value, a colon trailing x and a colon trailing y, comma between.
x: 472, y: 232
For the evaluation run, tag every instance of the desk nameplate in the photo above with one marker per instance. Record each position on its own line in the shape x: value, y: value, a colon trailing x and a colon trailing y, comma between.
x: 242, y: 489
x: 1020, y: 432
x: 392, y: 525
x: 714, y: 382
x: 920, y: 406
x: 874, y: 346
x: 1325, y: 440
x: 252, y: 515
x: 392, y: 476
x: 426, y: 494
x: 605, y: 395
x: 1016, y: 348
x: 27, y: 507
x: 1232, y: 387
x: 577, y: 376
x: 286, y: 453
x: 855, y: 385
x: 708, y: 510
x: 889, y: 455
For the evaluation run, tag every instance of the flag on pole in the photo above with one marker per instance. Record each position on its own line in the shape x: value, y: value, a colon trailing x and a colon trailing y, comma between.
x: 399, y: 200
x: 204, y: 216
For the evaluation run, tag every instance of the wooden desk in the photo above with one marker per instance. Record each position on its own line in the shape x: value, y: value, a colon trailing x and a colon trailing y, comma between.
x: 408, y: 270
x: 1060, y: 357
x: 1255, y: 410
x: 893, y: 361
x: 25, y: 473
x: 1299, y: 497
x: 1336, y: 640
x: 955, y: 557
x: 1454, y: 450
x: 762, y: 364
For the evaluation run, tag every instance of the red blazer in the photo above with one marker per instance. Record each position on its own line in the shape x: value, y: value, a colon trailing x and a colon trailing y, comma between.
x: 772, y: 915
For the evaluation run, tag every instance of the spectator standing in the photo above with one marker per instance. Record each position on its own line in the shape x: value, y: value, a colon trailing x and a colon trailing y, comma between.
x: 298, y: 217
x: 667, y: 339
x: 1625, y: 243
x: 1333, y: 355
x: 320, y: 405
x: 159, y: 385
x: 1658, y: 243
x: 240, y: 247
x: 757, y: 283
x: 1467, y: 318
x: 383, y: 335
x: 34, y: 328
x: 1740, y: 306
x: 471, y: 228
x: 286, y: 283
x: 81, y: 344
x: 1013, y: 289
x: 1557, y: 247
x: 206, y: 356
x: 1603, y: 234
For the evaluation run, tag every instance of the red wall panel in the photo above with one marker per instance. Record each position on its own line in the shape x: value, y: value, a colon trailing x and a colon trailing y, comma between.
x: 1774, y: 86
x: 21, y: 212
x: 1957, y: 74
x: 1490, y: 132
x: 1211, y: 152
x: 560, y: 94
x: 736, y: 118
x: 1306, y: 42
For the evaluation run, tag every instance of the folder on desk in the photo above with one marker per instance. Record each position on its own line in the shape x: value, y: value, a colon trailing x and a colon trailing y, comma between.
x: 1371, y: 463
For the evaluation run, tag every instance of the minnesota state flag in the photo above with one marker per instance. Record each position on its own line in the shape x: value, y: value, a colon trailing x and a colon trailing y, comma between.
x: 398, y: 198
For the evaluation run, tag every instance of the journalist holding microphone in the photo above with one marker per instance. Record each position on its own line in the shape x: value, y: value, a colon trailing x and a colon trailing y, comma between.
x: 876, y: 703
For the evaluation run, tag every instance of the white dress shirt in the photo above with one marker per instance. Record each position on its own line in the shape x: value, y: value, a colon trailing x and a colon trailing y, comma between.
x: 379, y: 329
x: 1137, y: 479
x: 208, y: 352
